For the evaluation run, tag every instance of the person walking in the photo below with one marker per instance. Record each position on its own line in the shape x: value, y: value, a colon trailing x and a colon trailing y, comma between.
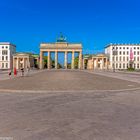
x: 15, y: 72
x: 10, y: 73
x: 22, y: 72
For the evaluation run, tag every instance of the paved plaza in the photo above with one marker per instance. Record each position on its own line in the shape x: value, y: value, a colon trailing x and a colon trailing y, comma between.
x: 70, y: 105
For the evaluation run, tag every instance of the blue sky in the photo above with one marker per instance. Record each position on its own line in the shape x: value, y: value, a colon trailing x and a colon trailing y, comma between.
x: 94, y: 23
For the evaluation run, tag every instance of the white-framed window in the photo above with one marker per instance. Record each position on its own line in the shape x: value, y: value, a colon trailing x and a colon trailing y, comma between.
x: 6, y: 65
x: 120, y: 65
x: 2, y: 65
x: 6, y: 57
x: 138, y: 66
x: 117, y: 66
x: 134, y: 53
x: 4, y: 52
x: 2, y: 57
x: 120, y: 58
x: 124, y: 66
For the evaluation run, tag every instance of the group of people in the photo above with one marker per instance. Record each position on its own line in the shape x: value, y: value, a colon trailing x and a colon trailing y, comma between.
x: 15, y: 72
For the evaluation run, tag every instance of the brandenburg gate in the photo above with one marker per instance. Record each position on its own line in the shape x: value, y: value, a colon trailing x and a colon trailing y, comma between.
x: 61, y: 46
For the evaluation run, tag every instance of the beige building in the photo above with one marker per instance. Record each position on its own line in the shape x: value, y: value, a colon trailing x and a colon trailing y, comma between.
x: 60, y: 46
x: 95, y: 62
x: 23, y: 60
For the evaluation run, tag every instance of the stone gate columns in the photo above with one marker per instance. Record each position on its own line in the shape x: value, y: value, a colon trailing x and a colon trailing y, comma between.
x: 72, y: 62
x: 80, y: 60
x: 56, y: 59
x: 49, y: 60
x: 41, y: 60
x: 66, y: 59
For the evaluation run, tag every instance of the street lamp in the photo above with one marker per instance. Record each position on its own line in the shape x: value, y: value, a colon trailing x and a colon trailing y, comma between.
x: 114, y: 52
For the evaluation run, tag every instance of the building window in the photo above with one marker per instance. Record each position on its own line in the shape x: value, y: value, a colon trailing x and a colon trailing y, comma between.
x: 127, y: 48
x: 124, y: 48
x: 6, y: 57
x: 116, y: 58
x: 124, y: 66
x: 120, y: 58
x: 4, y: 52
x: 127, y: 65
x: 138, y: 48
x: 2, y: 65
x: 6, y: 47
x: 134, y: 66
x: 120, y: 66
x: 138, y: 53
x: 138, y: 66
x: 123, y: 53
x: 123, y: 58
x: 2, y: 57
x: 117, y: 66
x: 120, y: 48
x: 134, y: 53
x: 113, y: 58
x: 2, y: 47
x: 120, y: 52
x: 138, y: 58
x: 134, y: 58
x: 6, y: 65
x: 127, y: 52
x: 134, y: 48
x: 127, y: 58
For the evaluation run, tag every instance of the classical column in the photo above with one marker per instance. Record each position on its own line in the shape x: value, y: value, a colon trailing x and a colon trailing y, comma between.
x: 80, y: 60
x: 83, y: 63
x: 97, y: 63
x: 23, y: 63
x: 41, y: 60
x: 102, y: 63
x: 72, y: 62
x: 66, y: 57
x: 106, y: 63
x: 49, y: 60
x: 56, y: 59
x: 17, y: 63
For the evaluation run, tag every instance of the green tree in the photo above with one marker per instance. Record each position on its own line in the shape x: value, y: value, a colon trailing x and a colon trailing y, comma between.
x: 76, y: 62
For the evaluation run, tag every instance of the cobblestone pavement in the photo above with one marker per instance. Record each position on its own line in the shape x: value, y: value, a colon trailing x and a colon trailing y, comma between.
x: 130, y: 76
x: 66, y: 80
x: 71, y: 115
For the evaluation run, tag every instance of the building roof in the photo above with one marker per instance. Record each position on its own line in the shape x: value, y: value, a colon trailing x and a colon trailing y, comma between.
x: 122, y: 44
x: 7, y: 43
x: 61, y: 45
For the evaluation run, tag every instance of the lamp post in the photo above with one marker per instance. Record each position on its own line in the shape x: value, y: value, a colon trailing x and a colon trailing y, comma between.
x: 114, y: 54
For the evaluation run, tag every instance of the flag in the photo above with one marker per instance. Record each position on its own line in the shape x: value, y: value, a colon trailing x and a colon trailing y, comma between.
x: 131, y: 54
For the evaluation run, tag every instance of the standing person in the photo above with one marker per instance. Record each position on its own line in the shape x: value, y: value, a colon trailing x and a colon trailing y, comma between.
x: 22, y: 72
x: 15, y: 72
x: 10, y: 73
x: 28, y: 70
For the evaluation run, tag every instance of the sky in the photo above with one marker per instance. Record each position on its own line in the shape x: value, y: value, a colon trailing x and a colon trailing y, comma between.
x: 94, y: 23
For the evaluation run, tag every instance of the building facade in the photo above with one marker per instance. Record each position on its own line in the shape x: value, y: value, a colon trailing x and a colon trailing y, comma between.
x: 95, y: 62
x: 123, y: 56
x: 61, y: 46
x: 6, y: 55
x: 23, y: 60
